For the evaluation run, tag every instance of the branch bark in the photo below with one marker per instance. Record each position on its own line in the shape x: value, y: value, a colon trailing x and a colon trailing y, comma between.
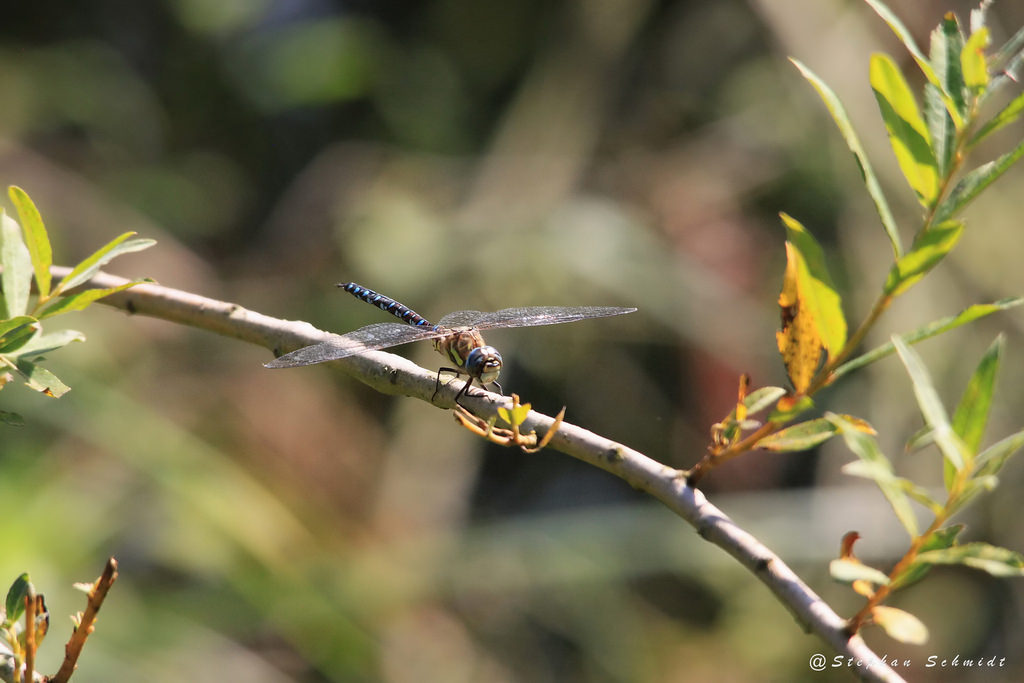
x: 395, y: 375
x: 86, y: 623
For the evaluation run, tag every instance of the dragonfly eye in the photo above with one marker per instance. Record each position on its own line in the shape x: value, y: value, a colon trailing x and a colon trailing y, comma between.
x: 484, y: 363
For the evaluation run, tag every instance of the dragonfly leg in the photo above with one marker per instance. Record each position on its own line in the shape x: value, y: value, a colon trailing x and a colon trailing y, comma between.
x: 469, y: 385
x: 437, y: 384
x: 464, y: 391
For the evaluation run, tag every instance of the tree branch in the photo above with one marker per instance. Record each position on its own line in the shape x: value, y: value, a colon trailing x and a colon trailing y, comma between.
x: 393, y: 374
x: 86, y: 623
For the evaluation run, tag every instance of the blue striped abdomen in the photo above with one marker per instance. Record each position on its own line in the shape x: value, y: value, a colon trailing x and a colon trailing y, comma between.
x: 387, y: 304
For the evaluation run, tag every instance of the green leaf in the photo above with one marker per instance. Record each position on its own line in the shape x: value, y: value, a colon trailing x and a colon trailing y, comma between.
x: 989, y: 558
x: 883, y: 476
x: 16, y: 278
x: 42, y: 380
x: 35, y: 236
x: 45, y: 343
x: 869, y: 469
x: 969, y: 314
x: 919, y: 440
x: 81, y: 300
x: 931, y: 407
x: 13, y: 325
x: 846, y: 570
x: 942, y: 538
x: 17, y: 332
x: 817, y: 291
x: 920, y: 494
x: 973, y: 62
x: 15, y: 604
x: 945, y: 51
x: 879, y: 468
x: 11, y: 419
x: 882, y: 473
x: 87, y: 268
x: 977, y: 180
x: 991, y: 460
x: 908, y: 133
x: 940, y: 129
x: 900, y: 625
x: 946, y: 44
x: 971, y: 413
x: 799, y: 437
x: 762, y: 398
x: 842, y: 121
x: 937, y: 540
x: 1010, y: 113
x: 929, y: 248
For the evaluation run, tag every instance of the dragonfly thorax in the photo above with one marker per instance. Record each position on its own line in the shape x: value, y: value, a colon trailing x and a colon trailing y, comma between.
x: 465, y: 347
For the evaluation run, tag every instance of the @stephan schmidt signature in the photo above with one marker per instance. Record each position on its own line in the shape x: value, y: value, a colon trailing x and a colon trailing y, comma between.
x: 819, y: 662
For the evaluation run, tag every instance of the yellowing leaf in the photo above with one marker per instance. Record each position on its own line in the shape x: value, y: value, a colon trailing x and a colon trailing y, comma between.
x: 862, y: 587
x: 798, y: 340
x: 516, y: 416
x: 741, y: 406
x: 972, y: 60
x: 35, y: 237
x: 815, y: 287
x: 812, y: 314
x: 908, y: 133
x: 900, y: 625
x: 929, y: 248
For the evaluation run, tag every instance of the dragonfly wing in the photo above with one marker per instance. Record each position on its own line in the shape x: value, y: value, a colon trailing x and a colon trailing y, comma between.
x: 369, y: 338
x: 464, y: 318
x: 531, y: 316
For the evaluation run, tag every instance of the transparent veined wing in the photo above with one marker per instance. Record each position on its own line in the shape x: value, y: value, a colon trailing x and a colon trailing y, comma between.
x: 529, y: 316
x: 369, y: 338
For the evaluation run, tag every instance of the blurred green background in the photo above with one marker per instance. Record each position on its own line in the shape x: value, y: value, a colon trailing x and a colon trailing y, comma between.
x: 294, y: 525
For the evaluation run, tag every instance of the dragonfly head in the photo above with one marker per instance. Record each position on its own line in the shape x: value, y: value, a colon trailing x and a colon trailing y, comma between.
x: 484, y: 363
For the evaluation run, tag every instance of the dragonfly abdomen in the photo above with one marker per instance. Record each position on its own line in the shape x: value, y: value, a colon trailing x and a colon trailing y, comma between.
x: 386, y: 303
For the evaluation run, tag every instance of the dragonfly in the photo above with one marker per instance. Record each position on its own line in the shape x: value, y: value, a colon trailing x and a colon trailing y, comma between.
x: 456, y: 336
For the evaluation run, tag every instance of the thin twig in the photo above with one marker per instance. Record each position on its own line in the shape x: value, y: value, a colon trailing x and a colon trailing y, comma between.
x: 395, y: 375
x: 87, y: 622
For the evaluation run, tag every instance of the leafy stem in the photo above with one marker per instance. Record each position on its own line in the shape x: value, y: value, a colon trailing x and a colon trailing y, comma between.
x: 931, y: 154
x: 904, y: 564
